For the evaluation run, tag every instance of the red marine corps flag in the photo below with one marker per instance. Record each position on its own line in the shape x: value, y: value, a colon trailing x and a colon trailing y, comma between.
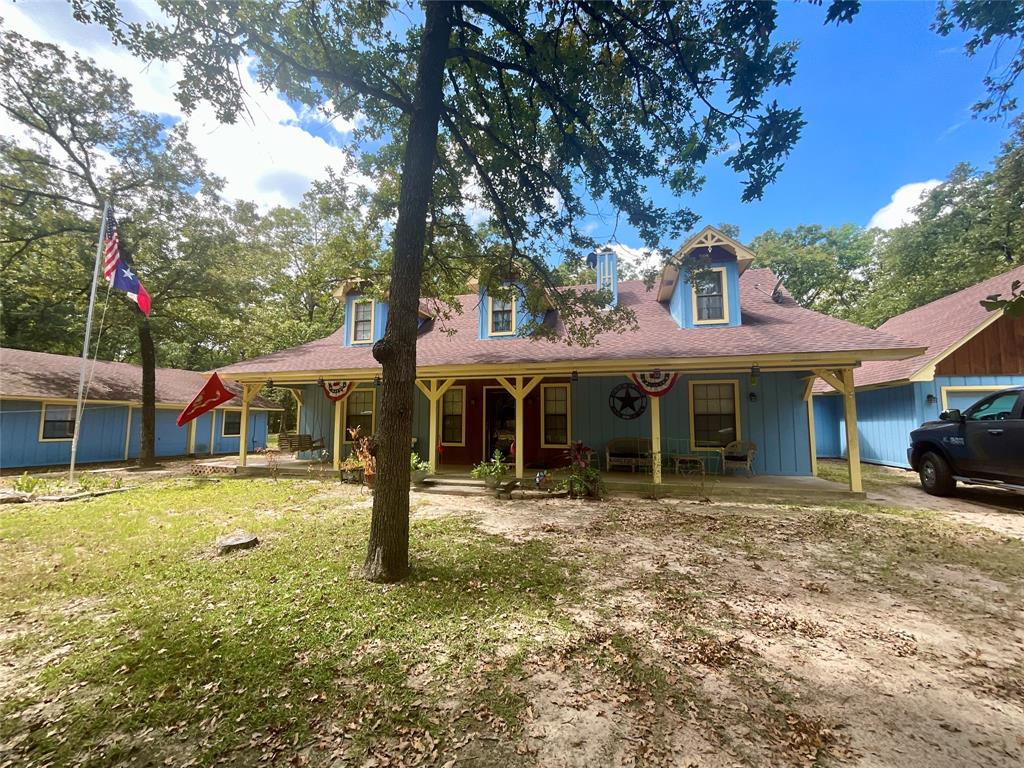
x: 210, y: 396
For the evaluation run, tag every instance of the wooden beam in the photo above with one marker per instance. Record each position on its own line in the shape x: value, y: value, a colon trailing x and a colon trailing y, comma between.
x: 656, y: 439
x: 833, y: 378
x: 809, y: 387
x: 432, y: 404
x: 426, y: 389
x: 520, y: 430
x: 337, y: 442
x: 128, y: 433
x: 243, y: 429
x: 852, y: 437
x: 812, y: 438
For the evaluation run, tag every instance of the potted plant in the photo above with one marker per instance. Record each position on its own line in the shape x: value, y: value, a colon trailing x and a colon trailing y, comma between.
x: 491, y: 471
x: 352, y: 470
x: 362, y: 453
x: 582, y: 480
x: 418, y: 468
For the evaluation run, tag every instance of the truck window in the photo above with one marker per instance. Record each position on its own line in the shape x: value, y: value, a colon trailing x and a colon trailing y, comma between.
x: 996, y: 408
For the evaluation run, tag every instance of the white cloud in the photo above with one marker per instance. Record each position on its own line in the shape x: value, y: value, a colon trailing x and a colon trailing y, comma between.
x: 635, y: 261
x: 266, y: 156
x: 899, y: 211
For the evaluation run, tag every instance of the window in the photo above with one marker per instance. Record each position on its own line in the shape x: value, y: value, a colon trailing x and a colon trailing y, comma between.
x: 995, y: 408
x: 714, y: 413
x: 58, y: 422
x: 362, y: 322
x: 453, y: 416
x: 359, y: 413
x: 710, y: 300
x: 502, y: 317
x: 554, y: 424
x: 232, y: 426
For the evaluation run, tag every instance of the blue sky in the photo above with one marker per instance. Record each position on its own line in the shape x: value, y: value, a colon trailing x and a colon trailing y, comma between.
x: 887, y: 103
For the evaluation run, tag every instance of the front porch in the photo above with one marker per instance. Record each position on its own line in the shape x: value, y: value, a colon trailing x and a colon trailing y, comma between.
x: 456, y: 479
x: 534, y: 419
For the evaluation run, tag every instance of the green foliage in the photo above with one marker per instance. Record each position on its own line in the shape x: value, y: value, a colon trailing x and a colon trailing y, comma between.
x: 495, y: 468
x: 989, y: 22
x: 825, y: 269
x: 26, y: 483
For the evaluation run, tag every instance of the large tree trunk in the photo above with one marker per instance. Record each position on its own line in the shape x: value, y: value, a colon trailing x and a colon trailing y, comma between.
x: 147, y: 440
x: 387, y: 558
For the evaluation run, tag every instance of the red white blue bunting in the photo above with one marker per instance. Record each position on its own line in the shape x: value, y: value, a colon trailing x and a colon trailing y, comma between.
x: 655, y: 383
x: 338, y: 390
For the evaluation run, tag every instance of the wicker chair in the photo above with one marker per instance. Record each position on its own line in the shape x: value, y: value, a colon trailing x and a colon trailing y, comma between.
x: 739, y: 454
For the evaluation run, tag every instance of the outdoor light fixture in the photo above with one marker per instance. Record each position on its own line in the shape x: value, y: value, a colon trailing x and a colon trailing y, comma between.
x: 376, y: 381
x: 755, y: 374
x: 270, y: 383
x: 575, y: 376
x: 752, y: 397
x: 930, y: 399
x: 320, y: 381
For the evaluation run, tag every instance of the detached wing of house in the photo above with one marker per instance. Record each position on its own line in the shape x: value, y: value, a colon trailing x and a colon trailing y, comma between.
x: 968, y: 353
x: 38, y: 392
x: 740, y: 353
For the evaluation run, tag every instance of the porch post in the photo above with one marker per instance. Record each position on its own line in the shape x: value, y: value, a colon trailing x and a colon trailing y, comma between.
x: 656, y: 439
x: 852, y: 437
x: 432, y: 405
x: 519, y: 391
x: 336, y: 447
x: 812, y: 439
x: 243, y: 428
x: 128, y: 433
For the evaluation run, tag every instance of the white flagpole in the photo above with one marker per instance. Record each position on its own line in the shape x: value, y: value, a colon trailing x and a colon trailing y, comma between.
x: 85, y: 344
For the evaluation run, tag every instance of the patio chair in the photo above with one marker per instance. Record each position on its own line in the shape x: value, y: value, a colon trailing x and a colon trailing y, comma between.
x: 739, y: 454
x: 298, y: 443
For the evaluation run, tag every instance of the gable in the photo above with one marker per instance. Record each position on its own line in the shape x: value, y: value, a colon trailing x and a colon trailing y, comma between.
x: 998, y: 349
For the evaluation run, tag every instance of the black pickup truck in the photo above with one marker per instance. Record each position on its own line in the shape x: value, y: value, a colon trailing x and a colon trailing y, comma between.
x: 983, y: 445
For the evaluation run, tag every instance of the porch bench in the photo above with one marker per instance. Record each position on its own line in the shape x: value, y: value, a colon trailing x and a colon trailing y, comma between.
x: 298, y: 443
x: 629, y: 452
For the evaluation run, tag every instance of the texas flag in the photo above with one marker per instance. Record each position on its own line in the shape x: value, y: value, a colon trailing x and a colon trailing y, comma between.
x: 210, y: 396
x: 117, y: 266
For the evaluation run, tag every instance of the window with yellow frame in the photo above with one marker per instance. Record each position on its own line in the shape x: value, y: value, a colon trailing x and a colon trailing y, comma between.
x: 359, y: 412
x: 555, y: 426
x: 362, y: 321
x: 453, y: 417
x: 56, y: 422
x: 710, y: 296
x: 714, y: 414
x: 501, y: 316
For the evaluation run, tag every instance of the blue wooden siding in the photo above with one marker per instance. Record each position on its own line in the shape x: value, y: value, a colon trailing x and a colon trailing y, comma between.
x: 103, y: 432
x: 829, y: 438
x: 380, y: 319
x: 257, y: 433
x: 776, y: 422
x: 681, y: 303
x: 317, y: 416
x: 523, y: 317
x: 887, y: 415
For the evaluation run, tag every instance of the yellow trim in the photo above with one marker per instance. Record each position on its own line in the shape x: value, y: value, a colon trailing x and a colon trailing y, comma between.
x: 42, y: 422
x: 373, y: 412
x: 336, y: 437
x: 373, y: 319
x: 812, y: 438
x: 725, y: 298
x: 656, y: 440
x: 852, y: 434
x: 568, y: 414
x: 462, y: 441
x: 966, y: 388
x: 490, y: 317
x: 192, y: 437
x: 128, y: 434
x: 736, y: 400
x: 768, y: 362
x: 224, y: 422
x: 927, y: 371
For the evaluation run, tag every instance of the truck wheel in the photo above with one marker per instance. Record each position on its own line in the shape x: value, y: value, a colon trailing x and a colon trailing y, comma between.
x: 936, y: 478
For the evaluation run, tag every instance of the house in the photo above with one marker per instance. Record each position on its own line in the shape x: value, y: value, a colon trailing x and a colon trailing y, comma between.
x: 736, y: 355
x: 38, y: 393
x: 969, y: 352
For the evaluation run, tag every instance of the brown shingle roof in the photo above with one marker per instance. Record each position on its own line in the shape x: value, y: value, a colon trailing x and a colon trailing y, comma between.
x: 46, y: 376
x: 941, y: 326
x: 768, y: 328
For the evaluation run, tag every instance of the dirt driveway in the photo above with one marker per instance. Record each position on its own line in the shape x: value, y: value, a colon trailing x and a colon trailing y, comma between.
x: 724, y: 634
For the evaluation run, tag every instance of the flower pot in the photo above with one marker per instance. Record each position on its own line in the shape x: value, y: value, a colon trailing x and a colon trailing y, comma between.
x: 419, y: 476
x: 370, y: 480
x: 491, y: 481
x: 352, y: 475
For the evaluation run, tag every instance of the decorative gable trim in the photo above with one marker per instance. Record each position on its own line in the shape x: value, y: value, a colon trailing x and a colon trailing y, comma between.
x: 707, y: 238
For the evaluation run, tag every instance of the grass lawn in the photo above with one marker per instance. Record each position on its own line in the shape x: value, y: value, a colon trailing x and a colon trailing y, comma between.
x: 542, y: 632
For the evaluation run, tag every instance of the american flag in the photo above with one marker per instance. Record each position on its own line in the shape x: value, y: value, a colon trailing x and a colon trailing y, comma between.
x: 117, y: 267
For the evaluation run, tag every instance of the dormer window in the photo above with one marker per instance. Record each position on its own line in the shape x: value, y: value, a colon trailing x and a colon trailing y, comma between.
x: 501, y: 316
x: 710, y: 296
x: 362, y: 322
